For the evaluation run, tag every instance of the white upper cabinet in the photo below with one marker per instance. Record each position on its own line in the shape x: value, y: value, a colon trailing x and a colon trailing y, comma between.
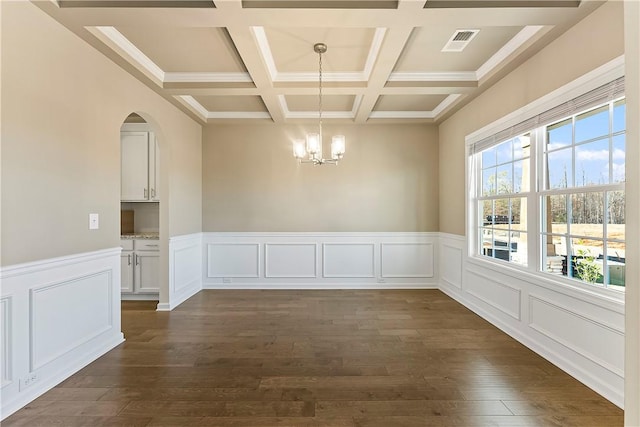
x: 154, y: 168
x: 139, y: 167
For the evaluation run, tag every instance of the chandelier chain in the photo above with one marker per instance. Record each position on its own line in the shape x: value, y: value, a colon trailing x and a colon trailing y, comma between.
x: 320, y: 91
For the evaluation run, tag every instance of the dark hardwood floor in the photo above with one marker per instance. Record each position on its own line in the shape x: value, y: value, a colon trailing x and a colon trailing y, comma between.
x: 317, y: 358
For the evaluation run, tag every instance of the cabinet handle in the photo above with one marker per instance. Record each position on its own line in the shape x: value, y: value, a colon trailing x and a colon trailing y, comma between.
x: 137, y: 262
x: 154, y: 246
x: 145, y: 193
x: 153, y: 193
x: 129, y: 259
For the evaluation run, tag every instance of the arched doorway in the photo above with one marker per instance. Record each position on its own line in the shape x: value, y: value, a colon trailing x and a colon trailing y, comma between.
x: 140, y: 201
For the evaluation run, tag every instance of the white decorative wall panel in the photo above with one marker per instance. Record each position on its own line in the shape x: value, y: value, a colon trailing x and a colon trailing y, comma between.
x: 576, y: 329
x: 187, y: 261
x: 407, y: 260
x: 601, y: 343
x: 67, y: 314
x: 185, y: 269
x: 451, y: 262
x: 319, y: 260
x: 233, y: 260
x: 57, y: 315
x: 495, y: 292
x: 5, y: 341
x: 348, y: 260
x: 290, y: 260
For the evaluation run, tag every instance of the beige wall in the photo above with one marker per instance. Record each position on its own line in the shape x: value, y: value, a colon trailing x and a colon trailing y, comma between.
x: 594, y: 41
x: 62, y: 107
x: 386, y: 182
x: 632, y: 295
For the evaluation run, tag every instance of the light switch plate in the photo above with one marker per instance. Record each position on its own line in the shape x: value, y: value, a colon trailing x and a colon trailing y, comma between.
x: 94, y: 221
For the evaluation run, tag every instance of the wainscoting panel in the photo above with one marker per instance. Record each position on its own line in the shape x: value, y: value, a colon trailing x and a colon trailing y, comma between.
x: 348, y: 260
x: 407, y: 260
x: 185, y: 269
x: 5, y: 341
x: 497, y: 293
x: 451, y: 263
x: 319, y: 260
x: 58, y: 315
x: 87, y: 313
x: 290, y: 260
x: 576, y: 329
x: 561, y: 323
x: 233, y: 260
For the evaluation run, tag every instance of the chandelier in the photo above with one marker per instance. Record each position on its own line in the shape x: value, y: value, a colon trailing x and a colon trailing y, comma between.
x: 313, y: 145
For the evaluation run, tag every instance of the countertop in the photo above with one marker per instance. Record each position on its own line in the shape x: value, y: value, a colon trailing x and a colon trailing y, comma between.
x: 150, y: 236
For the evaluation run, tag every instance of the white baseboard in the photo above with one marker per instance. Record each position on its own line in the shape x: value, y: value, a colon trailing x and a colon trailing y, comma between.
x: 58, y: 316
x: 139, y: 297
x: 321, y: 286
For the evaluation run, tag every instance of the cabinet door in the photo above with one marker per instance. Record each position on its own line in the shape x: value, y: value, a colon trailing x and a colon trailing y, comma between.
x: 154, y: 168
x: 126, y: 270
x: 147, y: 271
x: 134, y: 158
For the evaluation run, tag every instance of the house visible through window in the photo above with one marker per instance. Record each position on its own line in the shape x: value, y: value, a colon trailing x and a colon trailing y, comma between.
x: 551, y: 199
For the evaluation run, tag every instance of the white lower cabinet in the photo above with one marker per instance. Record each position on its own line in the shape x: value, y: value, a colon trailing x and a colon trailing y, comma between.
x: 140, y: 266
x: 147, y: 269
x: 126, y: 267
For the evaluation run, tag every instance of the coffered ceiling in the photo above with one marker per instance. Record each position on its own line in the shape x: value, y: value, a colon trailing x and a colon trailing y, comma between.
x: 253, y: 60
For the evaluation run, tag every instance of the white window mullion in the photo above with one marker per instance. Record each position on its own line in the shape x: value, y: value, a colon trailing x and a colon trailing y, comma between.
x: 533, y: 200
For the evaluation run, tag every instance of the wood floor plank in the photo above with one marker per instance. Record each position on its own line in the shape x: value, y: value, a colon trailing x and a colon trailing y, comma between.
x: 317, y: 359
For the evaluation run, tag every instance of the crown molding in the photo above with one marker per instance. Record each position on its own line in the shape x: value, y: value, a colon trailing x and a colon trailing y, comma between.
x: 465, y: 76
x: 118, y: 39
x: 356, y: 104
x: 187, y: 77
x: 195, y: 106
x: 374, y: 51
x: 509, y: 48
x: 206, y: 114
x: 265, y: 51
x: 349, y: 76
x: 445, y: 104
x: 401, y: 115
x: 315, y: 114
x: 433, y: 114
x: 238, y: 115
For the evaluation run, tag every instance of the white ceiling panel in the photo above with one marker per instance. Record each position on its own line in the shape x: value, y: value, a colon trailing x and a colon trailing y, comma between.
x: 292, y: 48
x: 423, y: 52
x: 329, y: 102
x: 186, y: 49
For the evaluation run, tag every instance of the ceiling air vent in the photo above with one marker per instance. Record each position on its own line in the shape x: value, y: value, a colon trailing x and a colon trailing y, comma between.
x: 459, y: 40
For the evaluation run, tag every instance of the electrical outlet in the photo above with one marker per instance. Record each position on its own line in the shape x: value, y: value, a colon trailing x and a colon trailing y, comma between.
x: 380, y: 280
x: 28, y: 380
x: 226, y: 280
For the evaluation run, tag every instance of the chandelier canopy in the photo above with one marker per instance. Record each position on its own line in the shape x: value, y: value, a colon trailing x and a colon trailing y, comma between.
x: 313, y: 144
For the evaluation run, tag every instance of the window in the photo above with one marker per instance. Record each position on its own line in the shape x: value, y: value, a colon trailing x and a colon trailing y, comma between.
x: 504, y: 175
x: 551, y: 199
